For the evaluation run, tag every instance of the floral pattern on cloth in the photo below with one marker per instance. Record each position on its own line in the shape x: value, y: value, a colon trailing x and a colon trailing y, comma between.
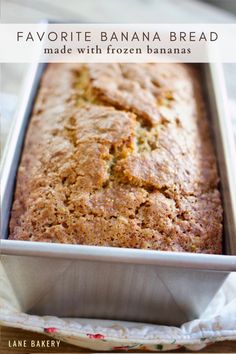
x: 50, y: 330
x: 218, y: 323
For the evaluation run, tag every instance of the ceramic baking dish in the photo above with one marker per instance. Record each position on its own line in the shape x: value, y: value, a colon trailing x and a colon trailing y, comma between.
x: 114, y: 283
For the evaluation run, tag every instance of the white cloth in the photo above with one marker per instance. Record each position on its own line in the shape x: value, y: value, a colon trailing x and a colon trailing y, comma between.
x: 216, y: 324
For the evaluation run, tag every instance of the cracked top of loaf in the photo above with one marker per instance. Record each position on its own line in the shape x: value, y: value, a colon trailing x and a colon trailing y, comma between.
x: 119, y: 155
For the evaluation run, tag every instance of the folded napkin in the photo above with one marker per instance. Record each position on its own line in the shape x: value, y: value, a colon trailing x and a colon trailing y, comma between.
x: 218, y: 323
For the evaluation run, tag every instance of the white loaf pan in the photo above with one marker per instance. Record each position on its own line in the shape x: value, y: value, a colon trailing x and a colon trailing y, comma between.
x: 113, y: 283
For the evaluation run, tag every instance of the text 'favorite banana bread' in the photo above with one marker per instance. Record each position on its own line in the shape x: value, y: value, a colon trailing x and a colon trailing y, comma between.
x: 119, y: 155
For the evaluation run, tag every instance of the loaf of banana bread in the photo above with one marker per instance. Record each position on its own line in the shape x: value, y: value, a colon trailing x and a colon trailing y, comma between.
x: 119, y: 155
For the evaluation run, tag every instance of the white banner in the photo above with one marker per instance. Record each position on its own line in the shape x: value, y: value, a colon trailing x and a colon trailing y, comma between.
x: 103, y: 43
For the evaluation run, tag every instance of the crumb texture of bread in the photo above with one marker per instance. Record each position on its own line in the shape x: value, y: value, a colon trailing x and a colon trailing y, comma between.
x: 119, y: 155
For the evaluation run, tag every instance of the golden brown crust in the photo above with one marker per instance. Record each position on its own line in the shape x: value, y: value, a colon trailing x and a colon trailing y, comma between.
x: 119, y: 155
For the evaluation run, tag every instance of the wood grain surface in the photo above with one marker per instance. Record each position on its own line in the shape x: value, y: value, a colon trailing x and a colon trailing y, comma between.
x: 8, y: 335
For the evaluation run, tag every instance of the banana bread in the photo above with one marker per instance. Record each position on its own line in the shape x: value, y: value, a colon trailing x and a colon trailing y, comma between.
x: 119, y: 155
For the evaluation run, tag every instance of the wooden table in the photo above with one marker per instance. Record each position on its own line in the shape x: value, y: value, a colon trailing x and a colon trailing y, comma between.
x: 10, y: 334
